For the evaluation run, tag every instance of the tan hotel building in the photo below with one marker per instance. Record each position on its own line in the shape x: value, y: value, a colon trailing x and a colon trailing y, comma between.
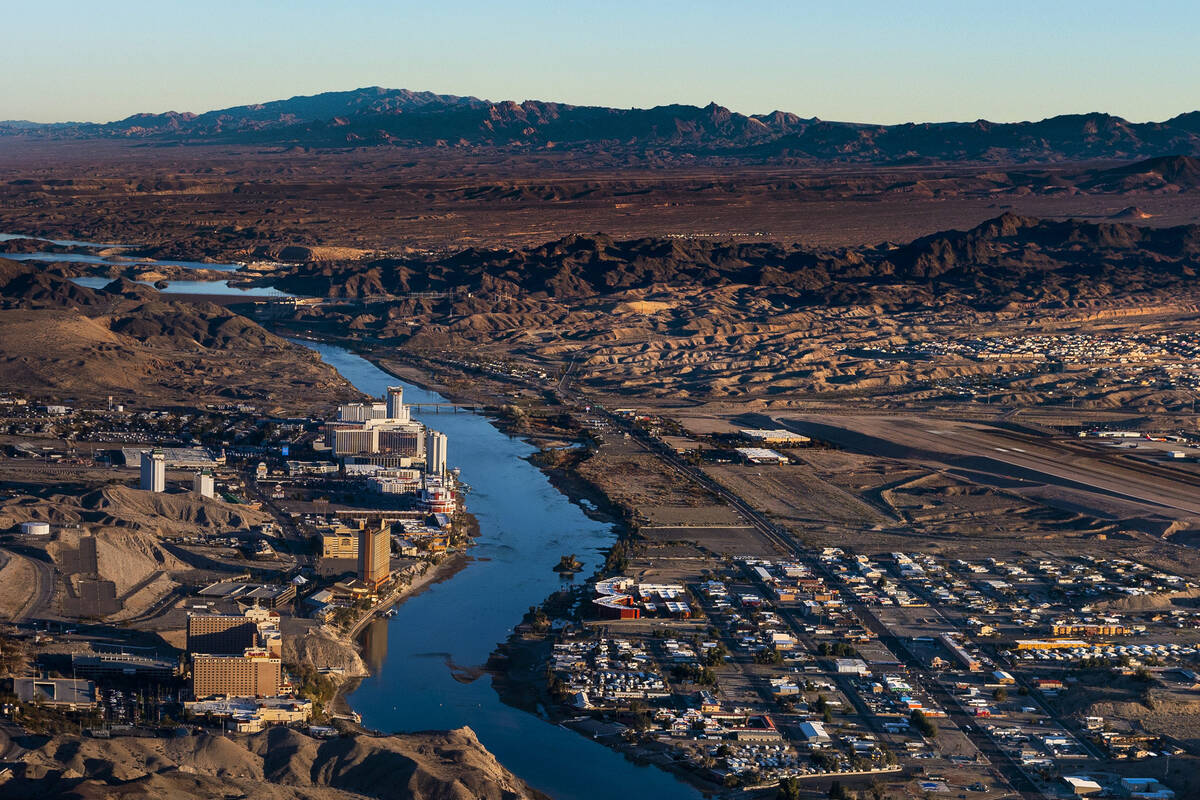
x: 255, y: 673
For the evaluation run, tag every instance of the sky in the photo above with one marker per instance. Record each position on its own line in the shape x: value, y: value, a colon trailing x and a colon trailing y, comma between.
x: 865, y: 61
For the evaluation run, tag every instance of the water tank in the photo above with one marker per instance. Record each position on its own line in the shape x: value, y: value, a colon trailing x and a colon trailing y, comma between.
x: 35, y: 528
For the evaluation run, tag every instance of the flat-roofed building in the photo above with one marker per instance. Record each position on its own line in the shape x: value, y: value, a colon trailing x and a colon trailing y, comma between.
x: 396, y: 410
x: 176, y: 457
x: 123, y: 665
x: 70, y: 693
x: 761, y: 455
x: 254, y: 673
x: 401, y: 441
x: 361, y: 412
x: 774, y: 436
x: 435, y: 453
x: 233, y: 634
x: 339, y: 544
x: 250, y: 594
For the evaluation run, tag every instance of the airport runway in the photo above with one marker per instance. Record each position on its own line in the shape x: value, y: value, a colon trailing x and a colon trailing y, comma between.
x: 1022, y: 459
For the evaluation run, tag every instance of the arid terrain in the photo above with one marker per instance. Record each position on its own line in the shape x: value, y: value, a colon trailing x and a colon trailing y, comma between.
x: 953, y: 321
x: 278, y: 764
x: 129, y: 343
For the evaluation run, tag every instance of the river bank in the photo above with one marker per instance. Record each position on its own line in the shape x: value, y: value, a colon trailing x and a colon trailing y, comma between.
x: 443, y: 570
x: 518, y: 665
x: 429, y: 657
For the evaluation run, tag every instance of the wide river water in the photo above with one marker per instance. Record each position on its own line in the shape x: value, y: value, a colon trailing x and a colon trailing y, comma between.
x: 422, y: 660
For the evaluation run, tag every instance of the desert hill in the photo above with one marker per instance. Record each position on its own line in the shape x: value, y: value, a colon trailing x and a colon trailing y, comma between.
x: 129, y: 341
x: 377, y: 116
x: 1168, y: 174
x: 702, y: 318
x: 1006, y: 259
x: 277, y: 764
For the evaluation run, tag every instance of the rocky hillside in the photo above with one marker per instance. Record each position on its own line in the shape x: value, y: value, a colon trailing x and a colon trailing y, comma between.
x: 378, y: 116
x: 128, y: 340
x: 702, y: 319
x: 1009, y: 259
x: 275, y: 765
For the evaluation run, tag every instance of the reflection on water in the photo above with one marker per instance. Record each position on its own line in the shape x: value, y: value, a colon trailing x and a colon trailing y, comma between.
x: 441, y: 637
x: 87, y: 258
x: 4, y: 237
x: 374, y: 641
x: 192, y: 287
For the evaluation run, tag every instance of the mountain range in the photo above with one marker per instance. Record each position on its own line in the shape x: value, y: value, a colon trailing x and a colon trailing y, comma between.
x: 377, y: 116
x: 1008, y: 259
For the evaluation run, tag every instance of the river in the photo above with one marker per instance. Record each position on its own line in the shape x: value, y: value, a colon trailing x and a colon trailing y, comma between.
x: 84, y: 258
x: 192, y: 287
x: 423, y: 659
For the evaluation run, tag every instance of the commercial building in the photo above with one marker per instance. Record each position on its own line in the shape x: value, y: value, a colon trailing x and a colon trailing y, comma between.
x: 1089, y: 629
x: 395, y: 481
x: 203, y: 484
x: 122, y: 665
x: 154, y: 472
x: 176, y: 457
x: 852, y: 666
x: 1050, y: 644
x: 761, y: 455
x: 965, y: 659
x: 375, y: 554
x: 774, y: 436
x: 69, y: 693
x: 251, y: 715
x: 401, y: 439
x: 435, y: 453
x: 1081, y: 786
x: 254, y: 673
x: 436, y: 497
x: 376, y: 436
x: 814, y: 733
x: 251, y: 594
x: 396, y: 410
x: 348, y: 441
x: 361, y: 412
x: 232, y: 634
x: 339, y: 542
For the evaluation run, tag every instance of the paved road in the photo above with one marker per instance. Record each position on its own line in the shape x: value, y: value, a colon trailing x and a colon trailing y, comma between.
x: 42, y: 590
x: 1000, y: 760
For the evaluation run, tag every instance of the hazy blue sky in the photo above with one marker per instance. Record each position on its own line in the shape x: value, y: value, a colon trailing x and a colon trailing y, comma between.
x: 872, y: 61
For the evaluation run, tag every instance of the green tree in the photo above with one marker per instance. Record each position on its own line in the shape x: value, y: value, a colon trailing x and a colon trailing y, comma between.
x: 789, y: 789
x: 923, y: 724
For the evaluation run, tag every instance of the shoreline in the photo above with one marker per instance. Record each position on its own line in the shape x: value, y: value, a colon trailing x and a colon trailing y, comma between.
x: 514, y: 663
x: 442, y: 571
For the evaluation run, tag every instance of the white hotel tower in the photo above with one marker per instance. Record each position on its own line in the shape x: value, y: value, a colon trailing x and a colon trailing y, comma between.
x: 435, y: 453
x: 154, y: 472
x: 396, y: 410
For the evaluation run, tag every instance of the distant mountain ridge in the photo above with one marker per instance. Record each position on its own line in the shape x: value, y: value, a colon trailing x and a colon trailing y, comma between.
x: 1007, y: 259
x: 399, y: 117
